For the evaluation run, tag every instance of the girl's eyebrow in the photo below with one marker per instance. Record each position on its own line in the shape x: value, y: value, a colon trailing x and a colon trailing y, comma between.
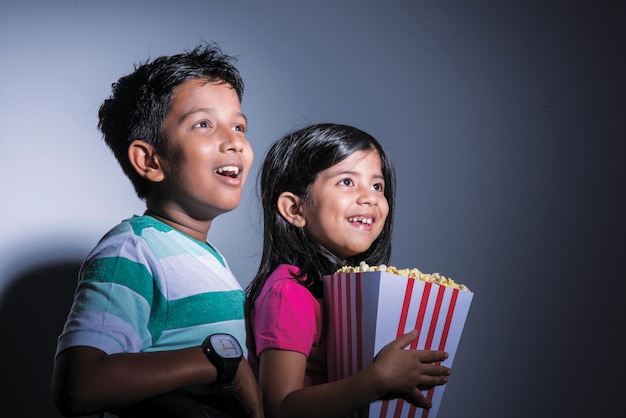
x: 331, y: 174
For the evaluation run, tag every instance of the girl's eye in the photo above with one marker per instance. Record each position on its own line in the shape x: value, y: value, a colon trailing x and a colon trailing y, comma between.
x: 345, y: 182
x: 379, y: 187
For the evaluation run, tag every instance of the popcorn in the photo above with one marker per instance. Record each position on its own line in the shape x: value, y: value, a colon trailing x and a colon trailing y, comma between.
x: 413, y: 273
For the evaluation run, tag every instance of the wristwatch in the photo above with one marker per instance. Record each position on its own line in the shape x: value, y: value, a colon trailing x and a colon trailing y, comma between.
x: 224, y: 351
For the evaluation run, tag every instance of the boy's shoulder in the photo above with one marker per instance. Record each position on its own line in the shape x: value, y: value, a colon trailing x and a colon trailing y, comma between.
x: 143, y: 222
x: 133, y: 233
x: 137, y: 225
x: 145, y: 233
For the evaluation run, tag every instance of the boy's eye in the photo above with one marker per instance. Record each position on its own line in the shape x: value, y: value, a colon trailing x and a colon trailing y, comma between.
x: 202, y: 124
x: 239, y: 128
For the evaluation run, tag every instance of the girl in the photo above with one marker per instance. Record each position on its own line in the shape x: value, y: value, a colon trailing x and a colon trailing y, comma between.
x: 328, y: 196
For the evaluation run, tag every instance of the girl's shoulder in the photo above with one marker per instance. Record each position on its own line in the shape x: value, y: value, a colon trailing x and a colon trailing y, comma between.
x: 284, y: 272
x: 283, y: 279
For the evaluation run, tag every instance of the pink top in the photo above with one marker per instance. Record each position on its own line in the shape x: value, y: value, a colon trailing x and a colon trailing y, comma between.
x: 287, y: 316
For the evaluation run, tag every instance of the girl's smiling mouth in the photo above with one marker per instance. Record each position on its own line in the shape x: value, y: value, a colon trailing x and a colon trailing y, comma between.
x: 361, y: 219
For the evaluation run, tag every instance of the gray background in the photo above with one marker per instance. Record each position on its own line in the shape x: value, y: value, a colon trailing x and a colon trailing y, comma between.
x: 505, y: 121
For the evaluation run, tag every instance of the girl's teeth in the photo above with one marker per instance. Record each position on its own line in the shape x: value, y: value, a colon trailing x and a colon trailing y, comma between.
x: 361, y: 219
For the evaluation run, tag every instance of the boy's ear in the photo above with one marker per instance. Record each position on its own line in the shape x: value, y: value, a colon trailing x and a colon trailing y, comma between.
x: 289, y: 207
x: 144, y: 158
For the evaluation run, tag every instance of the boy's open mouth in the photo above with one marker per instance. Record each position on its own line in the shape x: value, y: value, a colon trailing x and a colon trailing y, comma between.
x: 229, y: 171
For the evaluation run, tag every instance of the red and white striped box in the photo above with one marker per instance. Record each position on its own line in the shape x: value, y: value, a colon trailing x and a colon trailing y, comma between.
x: 366, y: 311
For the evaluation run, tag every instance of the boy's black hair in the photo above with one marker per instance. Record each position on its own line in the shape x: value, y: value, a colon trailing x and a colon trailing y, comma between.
x: 292, y: 164
x: 140, y: 100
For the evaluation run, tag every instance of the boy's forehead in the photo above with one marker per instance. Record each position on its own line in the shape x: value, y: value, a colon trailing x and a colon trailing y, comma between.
x: 202, y: 89
x: 198, y: 83
x: 202, y: 95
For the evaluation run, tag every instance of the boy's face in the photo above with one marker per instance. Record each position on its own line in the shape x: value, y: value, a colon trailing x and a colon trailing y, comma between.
x: 348, y: 207
x: 207, y: 157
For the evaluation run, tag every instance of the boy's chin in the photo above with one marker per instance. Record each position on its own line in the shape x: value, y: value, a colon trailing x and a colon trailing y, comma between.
x: 228, y: 208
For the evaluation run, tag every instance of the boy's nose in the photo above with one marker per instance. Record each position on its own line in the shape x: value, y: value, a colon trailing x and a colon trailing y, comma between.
x: 233, y: 141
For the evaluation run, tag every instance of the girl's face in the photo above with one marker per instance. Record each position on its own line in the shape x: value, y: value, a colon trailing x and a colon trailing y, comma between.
x: 347, y: 207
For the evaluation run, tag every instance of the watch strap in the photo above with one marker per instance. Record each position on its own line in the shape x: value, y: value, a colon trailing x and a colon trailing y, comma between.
x: 228, y: 372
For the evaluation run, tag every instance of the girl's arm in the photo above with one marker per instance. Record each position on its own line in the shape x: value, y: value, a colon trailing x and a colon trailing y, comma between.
x: 281, y: 377
x: 87, y: 381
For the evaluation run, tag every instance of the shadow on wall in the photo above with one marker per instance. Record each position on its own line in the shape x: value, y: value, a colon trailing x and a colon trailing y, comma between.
x: 33, y: 309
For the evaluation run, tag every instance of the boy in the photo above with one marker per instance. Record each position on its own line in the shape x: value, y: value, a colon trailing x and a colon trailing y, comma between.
x: 153, y: 289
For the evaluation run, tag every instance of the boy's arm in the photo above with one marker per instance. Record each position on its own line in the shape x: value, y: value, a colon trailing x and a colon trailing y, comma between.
x: 87, y: 381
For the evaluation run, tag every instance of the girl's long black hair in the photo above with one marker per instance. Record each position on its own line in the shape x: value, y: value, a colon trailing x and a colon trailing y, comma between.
x: 292, y: 164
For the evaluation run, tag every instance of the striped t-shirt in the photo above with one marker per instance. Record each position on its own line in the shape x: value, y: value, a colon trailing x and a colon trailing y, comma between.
x: 148, y: 287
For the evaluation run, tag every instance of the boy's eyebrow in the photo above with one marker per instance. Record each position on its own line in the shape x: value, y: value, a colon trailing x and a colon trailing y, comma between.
x: 206, y: 109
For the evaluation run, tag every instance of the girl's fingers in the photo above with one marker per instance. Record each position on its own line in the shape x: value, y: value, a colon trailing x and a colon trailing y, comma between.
x: 406, y: 339
x: 417, y: 398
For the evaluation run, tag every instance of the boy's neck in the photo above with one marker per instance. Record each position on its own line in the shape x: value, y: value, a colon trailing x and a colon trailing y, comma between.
x: 197, y: 231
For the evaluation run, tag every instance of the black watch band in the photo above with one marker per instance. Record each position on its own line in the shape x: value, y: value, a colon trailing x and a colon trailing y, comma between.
x: 224, y: 351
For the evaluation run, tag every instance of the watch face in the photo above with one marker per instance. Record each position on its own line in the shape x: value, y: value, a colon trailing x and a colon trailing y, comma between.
x: 226, y: 346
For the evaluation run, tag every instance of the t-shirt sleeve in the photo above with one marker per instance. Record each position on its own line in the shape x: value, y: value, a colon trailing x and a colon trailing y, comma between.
x: 285, y: 318
x: 110, y: 311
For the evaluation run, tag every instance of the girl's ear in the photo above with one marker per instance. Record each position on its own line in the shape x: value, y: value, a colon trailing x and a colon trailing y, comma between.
x: 289, y: 207
x: 145, y: 160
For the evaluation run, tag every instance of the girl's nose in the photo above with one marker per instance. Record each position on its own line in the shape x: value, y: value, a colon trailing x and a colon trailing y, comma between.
x: 368, y: 196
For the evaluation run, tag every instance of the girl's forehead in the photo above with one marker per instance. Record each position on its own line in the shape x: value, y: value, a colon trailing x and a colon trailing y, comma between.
x: 358, y: 161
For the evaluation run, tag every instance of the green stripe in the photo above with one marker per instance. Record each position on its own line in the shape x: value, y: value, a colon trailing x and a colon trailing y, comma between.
x: 122, y: 271
x: 139, y: 223
x: 206, y: 308
x: 134, y: 276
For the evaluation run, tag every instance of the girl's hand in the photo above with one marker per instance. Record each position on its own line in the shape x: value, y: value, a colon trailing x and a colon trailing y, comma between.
x: 406, y: 372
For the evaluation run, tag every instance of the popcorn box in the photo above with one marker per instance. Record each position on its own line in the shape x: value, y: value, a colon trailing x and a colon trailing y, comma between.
x: 367, y: 310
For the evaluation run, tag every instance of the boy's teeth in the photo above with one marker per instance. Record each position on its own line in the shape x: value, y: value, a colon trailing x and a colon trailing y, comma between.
x: 229, y: 170
x: 361, y: 219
